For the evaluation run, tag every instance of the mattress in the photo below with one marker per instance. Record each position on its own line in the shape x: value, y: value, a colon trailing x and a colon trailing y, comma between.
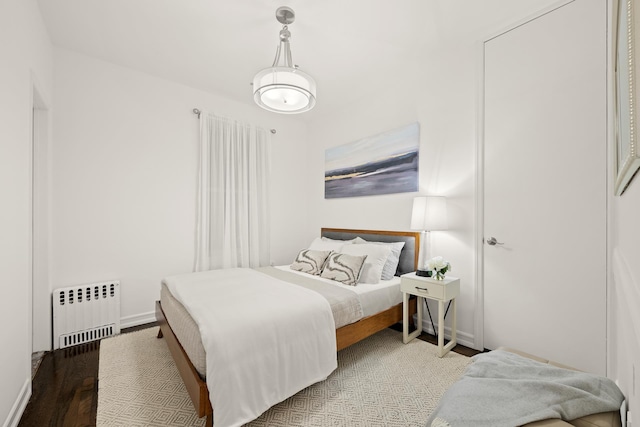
x: 373, y: 298
x: 184, y: 328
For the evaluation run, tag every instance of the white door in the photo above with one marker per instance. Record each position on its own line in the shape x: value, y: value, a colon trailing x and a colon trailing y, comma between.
x: 545, y: 186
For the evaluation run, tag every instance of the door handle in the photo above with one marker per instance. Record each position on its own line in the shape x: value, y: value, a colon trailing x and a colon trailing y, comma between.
x: 491, y: 241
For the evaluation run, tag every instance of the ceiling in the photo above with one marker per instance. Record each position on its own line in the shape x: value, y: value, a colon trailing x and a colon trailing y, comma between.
x: 348, y: 46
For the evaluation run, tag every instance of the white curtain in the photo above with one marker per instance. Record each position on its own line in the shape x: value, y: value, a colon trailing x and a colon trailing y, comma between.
x: 233, y: 224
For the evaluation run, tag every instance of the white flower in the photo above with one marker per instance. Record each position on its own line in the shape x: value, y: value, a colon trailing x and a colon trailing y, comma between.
x: 438, y: 263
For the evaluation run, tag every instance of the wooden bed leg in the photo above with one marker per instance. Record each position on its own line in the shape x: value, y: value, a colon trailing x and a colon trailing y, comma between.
x: 209, y: 422
x: 159, y: 333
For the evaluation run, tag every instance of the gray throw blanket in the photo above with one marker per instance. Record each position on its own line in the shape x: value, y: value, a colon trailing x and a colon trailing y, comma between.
x: 502, y: 389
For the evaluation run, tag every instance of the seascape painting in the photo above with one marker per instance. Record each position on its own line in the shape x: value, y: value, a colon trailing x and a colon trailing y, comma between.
x: 382, y: 164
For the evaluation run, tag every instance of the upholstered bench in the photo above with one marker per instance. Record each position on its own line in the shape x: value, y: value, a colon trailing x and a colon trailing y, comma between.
x: 510, y: 388
x: 603, y: 419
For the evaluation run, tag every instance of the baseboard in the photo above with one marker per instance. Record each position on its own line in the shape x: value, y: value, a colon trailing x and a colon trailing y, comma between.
x: 137, y: 319
x: 19, y: 406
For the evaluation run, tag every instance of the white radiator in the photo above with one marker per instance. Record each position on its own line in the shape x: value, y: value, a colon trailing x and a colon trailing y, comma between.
x: 85, y: 313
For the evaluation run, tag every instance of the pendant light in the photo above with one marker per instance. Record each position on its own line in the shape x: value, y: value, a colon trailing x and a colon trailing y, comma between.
x: 283, y: 87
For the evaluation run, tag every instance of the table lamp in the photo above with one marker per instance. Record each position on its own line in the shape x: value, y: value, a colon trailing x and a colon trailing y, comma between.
x: 429, y: 214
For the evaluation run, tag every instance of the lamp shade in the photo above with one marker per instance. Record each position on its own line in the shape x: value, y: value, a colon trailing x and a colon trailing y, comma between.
x: 429, y: 213
x: 284, y: 90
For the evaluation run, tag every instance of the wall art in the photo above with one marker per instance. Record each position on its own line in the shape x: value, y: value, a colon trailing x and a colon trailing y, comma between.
x: 382, y: 164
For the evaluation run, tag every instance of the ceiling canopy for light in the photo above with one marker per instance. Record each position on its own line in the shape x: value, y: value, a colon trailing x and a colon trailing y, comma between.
x: 284, y: 88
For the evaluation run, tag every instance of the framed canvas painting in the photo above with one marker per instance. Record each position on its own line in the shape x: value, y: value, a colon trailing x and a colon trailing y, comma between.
x: 382, y: 164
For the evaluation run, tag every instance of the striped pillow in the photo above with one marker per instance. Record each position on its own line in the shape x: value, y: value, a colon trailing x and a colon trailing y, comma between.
x: 309, y: 261
x: 343, y: 268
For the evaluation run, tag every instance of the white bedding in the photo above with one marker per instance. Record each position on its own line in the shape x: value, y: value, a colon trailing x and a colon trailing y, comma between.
x: 374, y: 298
x: 250, y: 369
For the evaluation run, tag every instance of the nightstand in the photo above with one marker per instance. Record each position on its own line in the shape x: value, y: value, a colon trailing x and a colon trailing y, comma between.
x: 442, y: 291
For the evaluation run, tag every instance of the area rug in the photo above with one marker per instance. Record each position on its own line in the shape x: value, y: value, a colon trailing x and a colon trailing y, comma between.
x: 379, y: 382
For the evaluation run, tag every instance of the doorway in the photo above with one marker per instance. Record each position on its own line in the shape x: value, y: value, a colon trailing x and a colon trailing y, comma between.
x: 543, y: 256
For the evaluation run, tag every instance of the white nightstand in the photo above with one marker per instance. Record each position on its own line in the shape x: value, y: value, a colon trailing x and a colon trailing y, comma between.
x: 439, y: 290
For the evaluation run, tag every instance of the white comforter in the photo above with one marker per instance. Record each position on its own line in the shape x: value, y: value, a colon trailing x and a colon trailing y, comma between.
x: 265, y: 339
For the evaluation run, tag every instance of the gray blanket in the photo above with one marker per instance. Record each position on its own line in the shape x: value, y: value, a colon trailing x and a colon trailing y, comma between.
x: 502, y: 389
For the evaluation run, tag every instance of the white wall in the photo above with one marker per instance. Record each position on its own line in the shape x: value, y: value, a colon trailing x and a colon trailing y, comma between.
x: 439, y: 92
x: 124, y: 178
x: 25, y: 61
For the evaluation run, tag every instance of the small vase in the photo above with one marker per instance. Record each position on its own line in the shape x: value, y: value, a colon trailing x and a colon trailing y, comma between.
x: 439, y: 275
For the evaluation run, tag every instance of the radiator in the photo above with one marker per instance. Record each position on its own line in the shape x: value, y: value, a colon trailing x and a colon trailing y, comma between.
x: 85, y: 313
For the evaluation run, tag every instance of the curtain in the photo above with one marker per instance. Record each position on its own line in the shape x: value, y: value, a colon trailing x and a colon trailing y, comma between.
x: 233, y: 224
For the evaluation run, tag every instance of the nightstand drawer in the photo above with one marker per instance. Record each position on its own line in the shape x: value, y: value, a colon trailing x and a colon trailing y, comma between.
x: 422, y: 288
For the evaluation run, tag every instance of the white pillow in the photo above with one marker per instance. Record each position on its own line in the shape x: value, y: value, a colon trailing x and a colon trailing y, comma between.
x: 376, y: 258
x: 319, y: 244
x: 391, y: 266
x: 344, y: 242
x: 341, y: 240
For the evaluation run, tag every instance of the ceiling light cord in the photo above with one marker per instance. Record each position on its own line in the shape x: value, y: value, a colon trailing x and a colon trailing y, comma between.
x: 285, y: 34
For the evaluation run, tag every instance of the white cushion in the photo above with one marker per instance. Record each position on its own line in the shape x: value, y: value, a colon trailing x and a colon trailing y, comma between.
x: 346, y: 242
x: 319, y: 244
x: 376, y: 258
x: 391, y: 266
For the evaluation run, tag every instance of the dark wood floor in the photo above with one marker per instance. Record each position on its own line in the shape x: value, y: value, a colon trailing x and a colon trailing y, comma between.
x: 65, y: 388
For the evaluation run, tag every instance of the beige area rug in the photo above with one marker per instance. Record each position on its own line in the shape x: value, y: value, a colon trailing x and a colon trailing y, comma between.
x: 379, y: 382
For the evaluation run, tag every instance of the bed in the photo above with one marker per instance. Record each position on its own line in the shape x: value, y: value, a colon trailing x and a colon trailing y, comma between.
x: 182, y: 336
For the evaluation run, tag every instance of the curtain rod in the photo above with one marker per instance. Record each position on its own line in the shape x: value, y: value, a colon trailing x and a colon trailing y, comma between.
x: 197, y: 113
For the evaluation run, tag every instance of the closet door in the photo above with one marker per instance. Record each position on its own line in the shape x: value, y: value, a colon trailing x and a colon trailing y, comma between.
x: 545, y: 186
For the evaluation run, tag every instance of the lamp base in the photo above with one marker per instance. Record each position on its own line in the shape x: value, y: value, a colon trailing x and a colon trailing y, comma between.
x: 423, y: 273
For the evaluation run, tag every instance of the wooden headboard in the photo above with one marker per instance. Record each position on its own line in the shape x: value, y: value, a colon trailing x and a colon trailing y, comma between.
x: 408, y: 256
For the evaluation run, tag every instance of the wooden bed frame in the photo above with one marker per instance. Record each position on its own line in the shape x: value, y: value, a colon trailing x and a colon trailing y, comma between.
x: 345, y: 336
